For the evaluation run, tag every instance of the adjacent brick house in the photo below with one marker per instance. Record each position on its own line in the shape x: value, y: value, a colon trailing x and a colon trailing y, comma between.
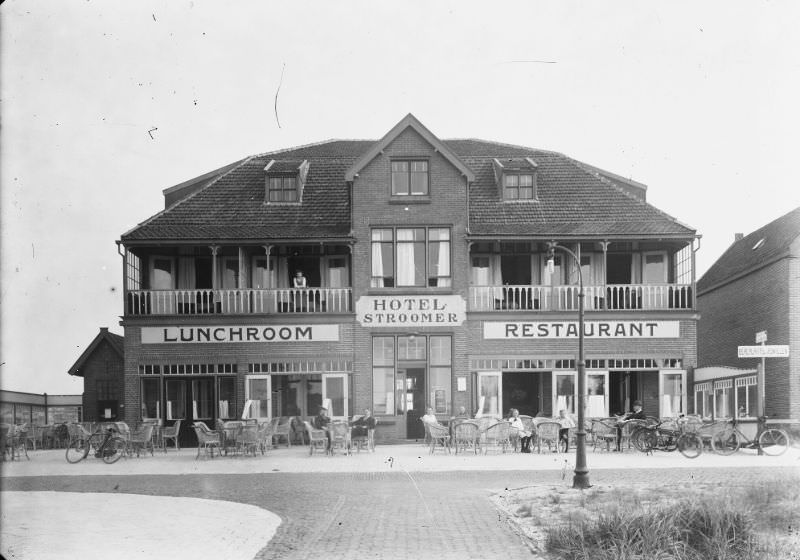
x: 753, y: 287
x: 427, y: 279
x: 102, y: 367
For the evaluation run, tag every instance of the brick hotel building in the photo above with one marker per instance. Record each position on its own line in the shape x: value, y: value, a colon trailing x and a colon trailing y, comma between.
x: 424, y: 283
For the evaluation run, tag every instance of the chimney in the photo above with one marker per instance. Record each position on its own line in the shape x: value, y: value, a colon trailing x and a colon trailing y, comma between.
x: 738, y: 237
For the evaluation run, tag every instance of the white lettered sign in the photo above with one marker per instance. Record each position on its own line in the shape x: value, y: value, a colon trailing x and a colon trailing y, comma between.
x: 240, y: 333
x: 591, y: 329
x: 411, y: 311
x: 764, y: 351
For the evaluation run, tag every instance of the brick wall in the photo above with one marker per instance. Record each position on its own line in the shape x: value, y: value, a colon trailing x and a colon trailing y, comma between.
x: 766, y: 299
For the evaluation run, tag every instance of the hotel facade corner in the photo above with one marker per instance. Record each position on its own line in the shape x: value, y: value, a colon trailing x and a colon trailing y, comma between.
x: 422, y: 284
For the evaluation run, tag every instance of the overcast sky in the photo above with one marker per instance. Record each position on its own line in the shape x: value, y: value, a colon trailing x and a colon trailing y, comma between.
x: 106, y: 103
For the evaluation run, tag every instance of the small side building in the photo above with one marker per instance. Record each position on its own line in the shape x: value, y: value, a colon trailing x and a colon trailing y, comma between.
x: 102, y: 367
x: 754, y: 287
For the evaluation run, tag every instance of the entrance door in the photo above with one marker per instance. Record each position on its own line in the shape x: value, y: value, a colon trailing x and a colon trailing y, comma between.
x: 413, y: 395
x: 190, y: 400
x: 623, y: 390
x: 523, y: 391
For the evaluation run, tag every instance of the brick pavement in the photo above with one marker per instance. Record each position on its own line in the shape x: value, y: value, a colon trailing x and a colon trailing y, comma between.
x: 440, y: 515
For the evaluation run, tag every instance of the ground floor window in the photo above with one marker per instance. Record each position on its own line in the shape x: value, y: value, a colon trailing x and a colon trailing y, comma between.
x: 724, y: 403
x: 704, y: 399
x: 746, y: 397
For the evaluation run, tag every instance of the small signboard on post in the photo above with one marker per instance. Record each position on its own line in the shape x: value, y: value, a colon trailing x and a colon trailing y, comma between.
x: 764, y: 351
x: 761, y: 337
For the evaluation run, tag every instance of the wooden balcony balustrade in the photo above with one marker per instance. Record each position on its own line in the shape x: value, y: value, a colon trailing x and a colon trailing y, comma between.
x: 238, y: 301
x: 645, y: 297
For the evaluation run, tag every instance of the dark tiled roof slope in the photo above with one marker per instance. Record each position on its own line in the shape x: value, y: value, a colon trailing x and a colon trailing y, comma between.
x: 572, y: 200
x: 741, y: 257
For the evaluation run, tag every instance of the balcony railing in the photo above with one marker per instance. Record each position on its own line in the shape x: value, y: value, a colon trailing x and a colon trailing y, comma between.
x: 238, y: 301
x: 559, y: 298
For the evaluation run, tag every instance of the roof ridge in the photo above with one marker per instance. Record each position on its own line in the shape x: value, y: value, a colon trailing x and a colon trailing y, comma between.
x: 504, y: 144
x: 313, y: 145
x: 191, y: 196
x: 581, y: 165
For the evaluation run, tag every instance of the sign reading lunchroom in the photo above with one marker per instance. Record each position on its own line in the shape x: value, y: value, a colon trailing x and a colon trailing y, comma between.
x: 411, y: 311
x: 240, y: 333
x: 591, y: 329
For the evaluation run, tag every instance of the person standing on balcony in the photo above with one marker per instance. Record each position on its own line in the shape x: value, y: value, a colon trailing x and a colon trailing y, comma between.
x: 299, y: 281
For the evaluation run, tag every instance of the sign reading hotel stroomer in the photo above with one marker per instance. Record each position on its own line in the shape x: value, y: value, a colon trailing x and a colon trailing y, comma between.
x: 240, y: 333
x: 411, y: 311
x: 591, y: 329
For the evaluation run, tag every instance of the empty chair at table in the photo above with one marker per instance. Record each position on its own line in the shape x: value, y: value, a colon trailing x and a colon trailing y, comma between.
x: 247, y: 439
x: 207, y: 439
x: 440, y: 437
x: 497, y: 436
x: 141, y: 439
x: 466, y: 434
x: 547, y: 433
x: 171, y: 433
x: 340, y: 437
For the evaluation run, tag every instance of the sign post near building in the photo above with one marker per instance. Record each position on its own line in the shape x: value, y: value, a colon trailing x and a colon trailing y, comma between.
x: 763, y: 351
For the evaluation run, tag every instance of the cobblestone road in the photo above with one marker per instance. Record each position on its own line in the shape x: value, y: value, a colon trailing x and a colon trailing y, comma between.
x: 440, y: 515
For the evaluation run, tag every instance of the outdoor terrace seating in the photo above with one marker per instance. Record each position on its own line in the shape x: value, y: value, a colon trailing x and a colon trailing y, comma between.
x: 318, y: 440
x: 547, y: 433
x: 467, y: 434
x: 207, y: 439
x: 440, y: 437
x: 497, y: 436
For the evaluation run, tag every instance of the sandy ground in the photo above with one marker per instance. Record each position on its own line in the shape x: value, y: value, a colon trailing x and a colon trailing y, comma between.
x: 58, y: 525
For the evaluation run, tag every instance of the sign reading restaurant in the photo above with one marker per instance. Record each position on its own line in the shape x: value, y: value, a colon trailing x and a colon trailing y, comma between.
x: 411, y: 311
x: 591, y: 329
x: 240, y: 333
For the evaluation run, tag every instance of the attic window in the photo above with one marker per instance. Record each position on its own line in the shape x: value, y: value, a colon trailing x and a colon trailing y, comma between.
x: 282, y: 189
x: 409, y: 177
x: 518, y: 187
x: 759, y: 243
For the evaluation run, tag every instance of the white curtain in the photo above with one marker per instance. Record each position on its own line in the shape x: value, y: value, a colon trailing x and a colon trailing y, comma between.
x: 223, y: 409
x: 405, y: 257
x: 596, y: 406
x: 377, y: 266
x: 666, y: 407
x: 186, y: 273
x: 444, y: 261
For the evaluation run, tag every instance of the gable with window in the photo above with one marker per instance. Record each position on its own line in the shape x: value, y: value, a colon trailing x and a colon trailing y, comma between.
x: 410, y: 257
x: 285, y: 181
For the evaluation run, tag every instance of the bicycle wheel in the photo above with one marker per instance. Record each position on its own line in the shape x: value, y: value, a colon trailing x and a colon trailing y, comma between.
x: 773, y: 442
x: 725, y: 442
x: 114, y: 449
x: 690, y: 445
x: 77, y: 450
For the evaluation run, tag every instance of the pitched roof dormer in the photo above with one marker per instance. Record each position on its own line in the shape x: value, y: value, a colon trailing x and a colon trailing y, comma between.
x: 516, y: 178
x: 410, y: 121
x: 284, y: 181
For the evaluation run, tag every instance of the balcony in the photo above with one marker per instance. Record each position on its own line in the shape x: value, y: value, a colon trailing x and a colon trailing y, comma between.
x: 238, y: 301
x: 634, y: 297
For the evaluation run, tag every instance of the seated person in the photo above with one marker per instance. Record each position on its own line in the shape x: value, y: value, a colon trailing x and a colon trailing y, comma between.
x: 566, y: 422
x: 363, y: 424
x: 429, y: 417
x: 524, y: 435
x: 322, y: 422
x: 462, y: 414
x: 636, y: 414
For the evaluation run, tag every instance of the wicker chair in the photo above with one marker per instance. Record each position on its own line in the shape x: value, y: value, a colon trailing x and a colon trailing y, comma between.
x: 340, y: 437
x: 230, y: 433
x: 141, y: 439
x: 171, y: 432
x: 498, y: 436
x: 17, y: 441
x: 604, y: 431
x: 547, y: 432
x: 467, y: 434
x: 440, y: 435
x: 317, y: 439
x: 247, y: 440
x: 207, y: 439
x: 265, y: 437
x: 367, y: 441
x: 282, y: 428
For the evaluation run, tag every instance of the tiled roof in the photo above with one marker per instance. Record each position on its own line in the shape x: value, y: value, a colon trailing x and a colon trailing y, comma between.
x: 750, y: 253
x: 571, y: 199
x: 116, y: 342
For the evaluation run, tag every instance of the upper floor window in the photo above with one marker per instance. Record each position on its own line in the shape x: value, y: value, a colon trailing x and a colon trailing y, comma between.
x: 282, y: 189
x: 518, y: 187
x: 409, y: 177
x: 410, y: 257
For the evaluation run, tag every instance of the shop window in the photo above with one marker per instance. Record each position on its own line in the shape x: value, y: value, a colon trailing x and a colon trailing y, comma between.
x: 258, y: 392
x: 383, y: 375
x: 226, y: 397
x: 409, y: 178
x: 489, y: 391
x: 441, y: 373
x: 565, y: 393
x: 151, y: 398
x: 724, y: 399
x: 596, y: 402
x: 746, y: 397
x: 672, y: 395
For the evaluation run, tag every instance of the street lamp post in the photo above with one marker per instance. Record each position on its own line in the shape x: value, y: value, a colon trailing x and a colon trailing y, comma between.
x: 581, y: 478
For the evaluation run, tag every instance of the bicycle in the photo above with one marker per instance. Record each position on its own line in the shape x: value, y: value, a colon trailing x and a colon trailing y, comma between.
x: 771, y: 441
x: 647, y: 438
x: 106, y: 446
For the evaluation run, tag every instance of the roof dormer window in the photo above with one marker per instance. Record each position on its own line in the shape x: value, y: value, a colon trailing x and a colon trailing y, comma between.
x: 282, y: 189
x: 285, y: 181
x: 516, y: 178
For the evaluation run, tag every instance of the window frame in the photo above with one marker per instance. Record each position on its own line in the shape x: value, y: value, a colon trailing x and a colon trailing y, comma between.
x: 409, y: 174
x: 442, y: 281
x: 518, y: 186
x: 282, y: 179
